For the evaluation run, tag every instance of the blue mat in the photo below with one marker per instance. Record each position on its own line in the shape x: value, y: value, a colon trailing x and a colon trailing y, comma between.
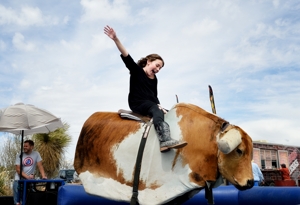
x: 223, y: 195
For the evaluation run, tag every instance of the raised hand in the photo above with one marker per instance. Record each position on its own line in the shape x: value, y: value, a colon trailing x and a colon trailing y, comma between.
x: 110, y: 32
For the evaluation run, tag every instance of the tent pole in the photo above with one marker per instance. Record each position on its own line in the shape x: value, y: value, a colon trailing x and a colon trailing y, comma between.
x: 21, y: 168
x: 21, y: 155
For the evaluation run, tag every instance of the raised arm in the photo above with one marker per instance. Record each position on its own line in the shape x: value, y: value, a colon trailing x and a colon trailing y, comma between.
x: 112, y: 34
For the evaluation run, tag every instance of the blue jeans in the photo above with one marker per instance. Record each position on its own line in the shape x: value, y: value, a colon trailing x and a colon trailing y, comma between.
x: 16, y: 191
x: 256, y: 183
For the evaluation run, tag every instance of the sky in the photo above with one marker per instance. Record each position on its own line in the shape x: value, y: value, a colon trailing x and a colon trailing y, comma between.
x: 55, y: 55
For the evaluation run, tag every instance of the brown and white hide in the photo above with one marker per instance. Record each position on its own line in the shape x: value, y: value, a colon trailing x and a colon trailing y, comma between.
x: 107, y: 149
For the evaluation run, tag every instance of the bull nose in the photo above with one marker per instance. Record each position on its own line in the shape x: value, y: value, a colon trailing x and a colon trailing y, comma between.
x: 248, y: 185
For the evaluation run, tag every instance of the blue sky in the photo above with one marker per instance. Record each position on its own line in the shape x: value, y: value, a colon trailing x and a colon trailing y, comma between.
x: 54, y: 54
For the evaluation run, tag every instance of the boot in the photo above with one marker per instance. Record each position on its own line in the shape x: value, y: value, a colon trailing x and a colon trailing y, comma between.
x: 164, y: 136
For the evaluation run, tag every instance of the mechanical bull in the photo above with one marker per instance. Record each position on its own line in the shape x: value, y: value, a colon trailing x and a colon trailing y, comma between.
x: 107, y: 149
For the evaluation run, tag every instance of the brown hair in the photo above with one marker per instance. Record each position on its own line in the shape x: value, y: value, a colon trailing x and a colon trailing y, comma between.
x: 30, y: 142
x: 152, y: 57
x: 283, y: 165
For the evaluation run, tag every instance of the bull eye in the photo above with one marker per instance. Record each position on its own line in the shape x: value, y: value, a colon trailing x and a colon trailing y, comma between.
x: 240, y: 152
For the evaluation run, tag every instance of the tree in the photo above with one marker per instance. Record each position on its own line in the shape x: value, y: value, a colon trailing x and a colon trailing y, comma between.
x: 52, y: 146
x: 10, y: 147
x: 66, y: 163
x: 9, y: 150
x: 4, y: 182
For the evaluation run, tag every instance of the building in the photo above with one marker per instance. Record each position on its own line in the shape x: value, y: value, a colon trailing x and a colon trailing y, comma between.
x: 269, y: 156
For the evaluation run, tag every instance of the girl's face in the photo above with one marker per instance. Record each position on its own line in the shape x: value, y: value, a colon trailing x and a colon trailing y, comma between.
x: 153, y: 67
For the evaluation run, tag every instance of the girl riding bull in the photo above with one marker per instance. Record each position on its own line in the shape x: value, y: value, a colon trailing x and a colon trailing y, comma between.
x: 142, y: 97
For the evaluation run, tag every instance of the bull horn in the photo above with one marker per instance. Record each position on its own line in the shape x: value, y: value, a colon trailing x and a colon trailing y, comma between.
x: 229, y: 141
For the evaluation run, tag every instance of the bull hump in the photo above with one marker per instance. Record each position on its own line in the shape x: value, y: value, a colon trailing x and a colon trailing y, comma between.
x: 194, y: 110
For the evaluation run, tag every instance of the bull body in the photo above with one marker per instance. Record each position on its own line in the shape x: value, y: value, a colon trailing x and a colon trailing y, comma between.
x: 107, y: 149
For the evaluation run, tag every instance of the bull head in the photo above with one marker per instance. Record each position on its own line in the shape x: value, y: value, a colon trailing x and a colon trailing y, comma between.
x: 234, y: 160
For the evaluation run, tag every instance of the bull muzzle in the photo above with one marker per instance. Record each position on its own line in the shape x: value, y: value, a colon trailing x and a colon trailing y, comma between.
x: 249, y: 185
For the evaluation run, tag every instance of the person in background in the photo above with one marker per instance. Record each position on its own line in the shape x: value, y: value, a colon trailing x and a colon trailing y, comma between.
x: 285, y: 173
x: 30, y: 160
x: 257, y: 174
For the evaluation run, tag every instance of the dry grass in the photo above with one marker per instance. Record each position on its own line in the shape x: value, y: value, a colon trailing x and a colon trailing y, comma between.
x: 5, y: 189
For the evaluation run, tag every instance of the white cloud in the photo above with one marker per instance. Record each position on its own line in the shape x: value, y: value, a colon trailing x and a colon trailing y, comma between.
x: 230, y: 8
x: 276, y: 3
x: 2, y: 45
x: 66, y: 19
x: 30, y: 16
x: 20, y: 43
x: 26, y: 16
x: 70, y: 45
x: 272, y: 130
x: 45, y: 88
x: 100, y: 42
x: 265, y: 45
x: 104, y: 9
x: 25, y: 84
x: 203, y: 28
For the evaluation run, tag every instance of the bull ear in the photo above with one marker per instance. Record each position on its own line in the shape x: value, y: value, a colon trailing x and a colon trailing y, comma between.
x: 229, y: 141
x: 224, y: 126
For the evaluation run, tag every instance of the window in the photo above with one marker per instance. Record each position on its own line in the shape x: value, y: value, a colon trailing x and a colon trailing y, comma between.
x: 269, y: 159
x: 274, y: 164
x: 263, y: 165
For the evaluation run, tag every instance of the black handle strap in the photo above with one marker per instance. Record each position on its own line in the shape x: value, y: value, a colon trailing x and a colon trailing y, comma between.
x: 138, y: 163
x: 208, y: 192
